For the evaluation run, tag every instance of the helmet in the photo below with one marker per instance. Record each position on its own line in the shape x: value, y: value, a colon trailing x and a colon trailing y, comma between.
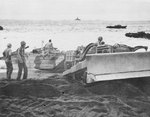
x: 100, y: 38
x: 102, y: 42
x: 23, y: 43
x: 9, y: 45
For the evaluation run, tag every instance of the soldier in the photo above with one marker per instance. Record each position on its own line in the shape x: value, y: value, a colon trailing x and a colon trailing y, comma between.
x: 100, y: 39
x: 22, y: 61
x: 7, y: 56
x: 48, y: 47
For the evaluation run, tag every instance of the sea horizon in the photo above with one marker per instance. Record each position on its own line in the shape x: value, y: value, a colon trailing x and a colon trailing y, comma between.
x: 74, y: 19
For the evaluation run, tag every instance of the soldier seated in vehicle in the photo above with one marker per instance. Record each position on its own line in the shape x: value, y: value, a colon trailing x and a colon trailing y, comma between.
x: 48, y: 48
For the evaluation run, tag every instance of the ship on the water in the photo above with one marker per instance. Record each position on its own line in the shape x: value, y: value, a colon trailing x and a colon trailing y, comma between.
x: 117, y: 27
x: 77, y: 19
x: 141, y: 34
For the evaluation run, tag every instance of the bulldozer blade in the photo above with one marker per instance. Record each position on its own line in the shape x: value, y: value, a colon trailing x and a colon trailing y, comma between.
x: 101, y: 67
x: 113, y: 66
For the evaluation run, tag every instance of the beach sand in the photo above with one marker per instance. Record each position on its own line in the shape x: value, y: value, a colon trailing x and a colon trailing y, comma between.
x: 56, y: 96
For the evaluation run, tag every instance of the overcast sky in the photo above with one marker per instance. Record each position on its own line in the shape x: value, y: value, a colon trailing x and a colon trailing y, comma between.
x: 70, y: 9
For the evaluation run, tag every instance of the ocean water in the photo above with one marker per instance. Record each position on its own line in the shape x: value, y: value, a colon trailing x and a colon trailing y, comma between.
x: 67, y: 35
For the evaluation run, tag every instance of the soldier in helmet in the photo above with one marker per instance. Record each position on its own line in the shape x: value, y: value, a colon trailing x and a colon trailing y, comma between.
x: 7, y: 56
x: 22, y: 61
x: 100, y: 39
x: 48, y: 47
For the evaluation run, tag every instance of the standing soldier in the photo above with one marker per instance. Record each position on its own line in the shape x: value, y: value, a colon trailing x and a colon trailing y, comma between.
x: 7, y: 56
x: 22, y: 61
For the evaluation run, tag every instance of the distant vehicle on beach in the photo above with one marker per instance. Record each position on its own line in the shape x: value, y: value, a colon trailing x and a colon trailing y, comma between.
x: 77, y: 19
x: 54, y: 62
x: 116, y: 26
x: 138, y: 35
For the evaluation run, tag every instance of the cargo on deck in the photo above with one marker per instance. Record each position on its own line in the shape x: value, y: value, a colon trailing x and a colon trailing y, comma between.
x: 111, y: 66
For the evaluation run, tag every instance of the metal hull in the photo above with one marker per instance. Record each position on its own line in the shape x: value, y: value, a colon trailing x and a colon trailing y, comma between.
x: 112, y: 66
x: 48, y: 62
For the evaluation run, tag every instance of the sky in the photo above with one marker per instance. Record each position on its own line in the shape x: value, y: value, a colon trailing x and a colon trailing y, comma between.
x: 70, y: 9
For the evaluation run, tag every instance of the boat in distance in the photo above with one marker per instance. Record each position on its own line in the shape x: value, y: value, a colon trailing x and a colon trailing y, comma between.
x: 117, y: 27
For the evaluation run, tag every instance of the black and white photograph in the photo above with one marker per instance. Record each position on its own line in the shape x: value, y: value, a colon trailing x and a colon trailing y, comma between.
x: 74, y: 58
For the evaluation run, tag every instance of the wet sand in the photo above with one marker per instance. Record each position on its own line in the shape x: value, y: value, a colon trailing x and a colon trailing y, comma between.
x: 56, y: 96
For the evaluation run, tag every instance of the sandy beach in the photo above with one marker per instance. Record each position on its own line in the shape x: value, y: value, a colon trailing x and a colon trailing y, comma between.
x: 56, y: 96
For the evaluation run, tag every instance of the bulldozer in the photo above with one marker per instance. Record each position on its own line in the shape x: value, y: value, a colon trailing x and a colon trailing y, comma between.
x: 107, y: 62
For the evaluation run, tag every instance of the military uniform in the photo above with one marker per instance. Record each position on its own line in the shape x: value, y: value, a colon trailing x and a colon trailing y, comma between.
x: 22, y: 63
x: 8, y: 61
